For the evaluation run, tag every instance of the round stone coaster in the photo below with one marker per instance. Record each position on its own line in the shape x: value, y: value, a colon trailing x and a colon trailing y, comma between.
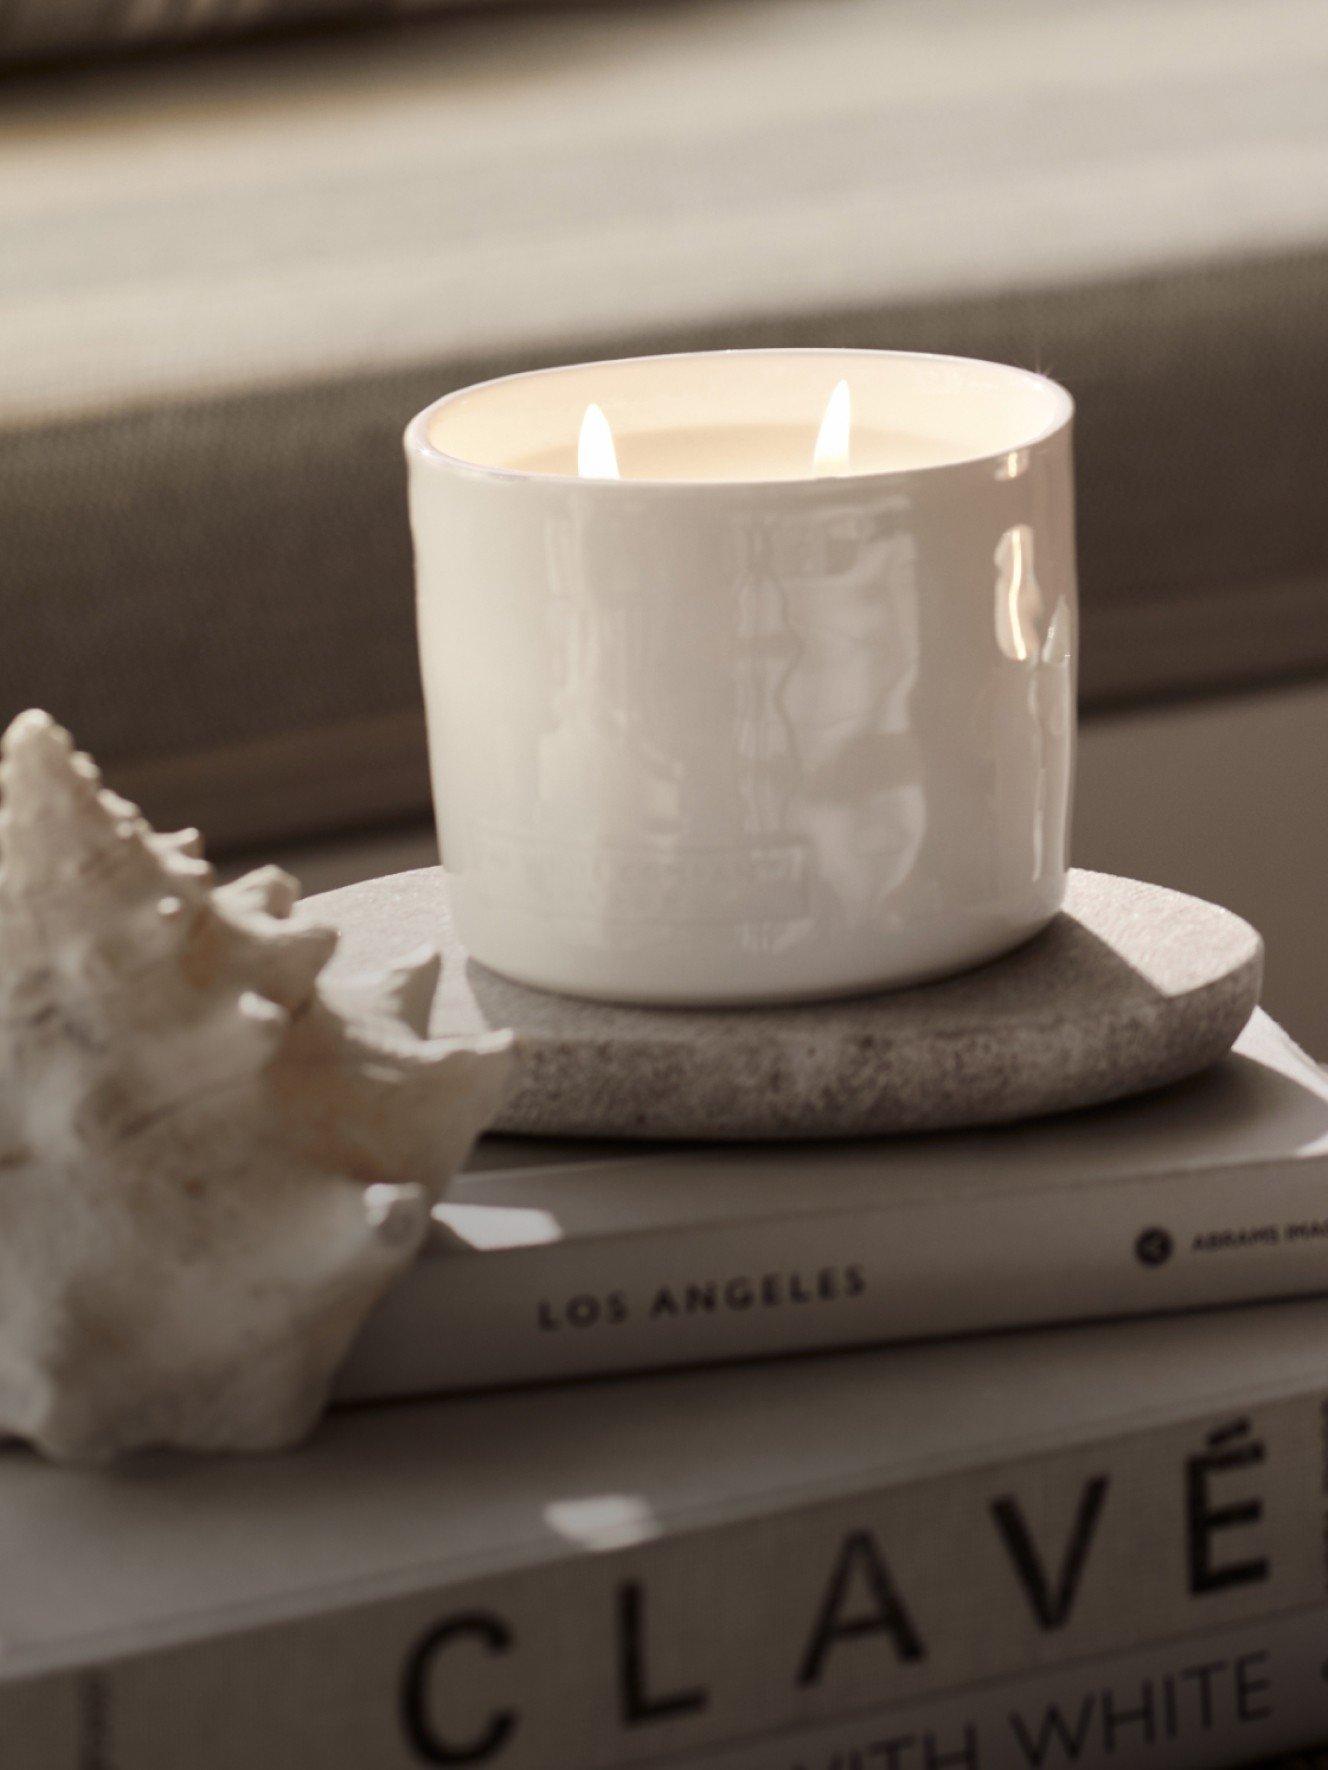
x: 1132, y: 986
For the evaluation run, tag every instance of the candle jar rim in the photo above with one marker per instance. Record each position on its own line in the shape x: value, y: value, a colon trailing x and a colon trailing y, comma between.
x: 419, y: 443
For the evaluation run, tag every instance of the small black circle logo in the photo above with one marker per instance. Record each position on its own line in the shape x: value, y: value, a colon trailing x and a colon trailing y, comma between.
x: 1154, y: 1247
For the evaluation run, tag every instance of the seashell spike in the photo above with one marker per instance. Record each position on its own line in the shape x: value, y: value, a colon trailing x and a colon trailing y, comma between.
x: 211, y: 1165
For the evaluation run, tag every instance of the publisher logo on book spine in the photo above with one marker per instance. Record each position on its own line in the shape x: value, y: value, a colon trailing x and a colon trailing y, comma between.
x: 1153, y: 1247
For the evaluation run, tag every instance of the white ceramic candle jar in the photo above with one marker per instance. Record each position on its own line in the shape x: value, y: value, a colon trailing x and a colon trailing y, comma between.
x: 736, y: 726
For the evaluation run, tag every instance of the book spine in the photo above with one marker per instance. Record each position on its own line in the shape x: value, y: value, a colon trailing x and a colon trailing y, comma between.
x: 965, y: 1606
x: 1202, y: 1702
x: 704, y: 1293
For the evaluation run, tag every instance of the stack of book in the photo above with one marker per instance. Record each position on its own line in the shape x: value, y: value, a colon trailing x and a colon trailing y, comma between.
x: 1093, y: 1544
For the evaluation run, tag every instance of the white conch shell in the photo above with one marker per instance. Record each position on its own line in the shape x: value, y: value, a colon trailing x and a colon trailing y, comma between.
x: 211, y: 1163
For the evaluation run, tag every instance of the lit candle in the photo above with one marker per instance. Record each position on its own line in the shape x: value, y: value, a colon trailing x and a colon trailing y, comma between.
x: 596, y: 451
x: 736, y: 451
x: 749, y: 675
x: 833, y: 449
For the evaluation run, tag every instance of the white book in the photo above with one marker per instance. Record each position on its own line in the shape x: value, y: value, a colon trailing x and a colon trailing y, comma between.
x: 782, y: 1566
x: 553, y: 1261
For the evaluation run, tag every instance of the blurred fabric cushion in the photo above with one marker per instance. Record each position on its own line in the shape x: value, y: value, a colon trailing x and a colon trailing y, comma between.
x: 227, y: 279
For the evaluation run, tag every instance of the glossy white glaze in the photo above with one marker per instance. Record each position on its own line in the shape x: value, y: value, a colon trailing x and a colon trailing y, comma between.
x: 723, y: 741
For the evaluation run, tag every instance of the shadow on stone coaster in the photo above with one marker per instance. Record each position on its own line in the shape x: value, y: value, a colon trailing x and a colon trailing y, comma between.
x: 1131, y: 987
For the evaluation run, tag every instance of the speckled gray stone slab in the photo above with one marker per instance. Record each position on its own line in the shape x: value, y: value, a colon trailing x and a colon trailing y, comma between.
x: 1130, y: 987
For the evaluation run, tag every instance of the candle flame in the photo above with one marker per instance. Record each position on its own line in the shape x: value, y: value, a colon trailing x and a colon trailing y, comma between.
x: 831, y: 454
x: 596, y: 457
